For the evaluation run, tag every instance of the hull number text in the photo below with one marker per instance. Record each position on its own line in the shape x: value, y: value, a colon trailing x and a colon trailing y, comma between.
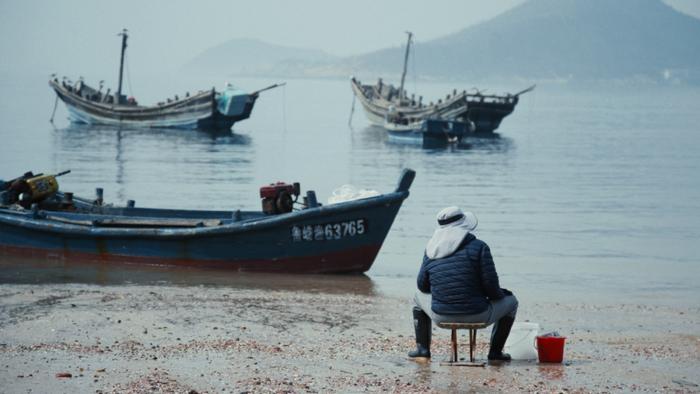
x: 329, y: 231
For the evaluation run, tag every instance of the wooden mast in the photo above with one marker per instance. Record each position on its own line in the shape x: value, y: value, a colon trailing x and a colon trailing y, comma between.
x: 121, y: 65
x: 405, y: 65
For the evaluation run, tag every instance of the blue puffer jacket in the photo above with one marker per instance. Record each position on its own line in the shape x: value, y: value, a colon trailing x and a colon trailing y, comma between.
x: 463, y: 282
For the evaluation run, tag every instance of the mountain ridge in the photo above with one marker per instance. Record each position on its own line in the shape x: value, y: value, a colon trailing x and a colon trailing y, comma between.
x: 249, y: 56
x: 563, y: 40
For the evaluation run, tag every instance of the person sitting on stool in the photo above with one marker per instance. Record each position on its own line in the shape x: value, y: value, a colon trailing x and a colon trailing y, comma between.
x: 458, y: 283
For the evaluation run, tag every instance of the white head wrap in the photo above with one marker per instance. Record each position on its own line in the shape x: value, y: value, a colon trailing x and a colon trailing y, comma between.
x: 453, y: 226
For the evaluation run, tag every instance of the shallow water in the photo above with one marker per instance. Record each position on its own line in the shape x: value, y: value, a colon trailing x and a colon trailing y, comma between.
x: 580, y: 193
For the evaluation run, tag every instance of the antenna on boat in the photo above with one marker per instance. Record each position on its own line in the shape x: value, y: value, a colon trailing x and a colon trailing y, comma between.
x: 405, y: 64
x: 124, y: 36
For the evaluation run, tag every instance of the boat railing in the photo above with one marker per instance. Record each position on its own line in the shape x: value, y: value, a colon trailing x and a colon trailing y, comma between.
x: 106, y: 220
x: 406, y: 180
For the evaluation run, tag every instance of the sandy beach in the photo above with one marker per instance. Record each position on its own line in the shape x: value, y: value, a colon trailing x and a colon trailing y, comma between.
x: 570, y: 129
x: 343, y: 336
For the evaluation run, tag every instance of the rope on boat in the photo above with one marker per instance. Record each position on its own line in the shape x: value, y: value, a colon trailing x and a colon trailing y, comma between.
x: 413, y: 65
x: 128, y: 76
x: 352, y: 109
x: 284, y: 108
x: 55, y: 104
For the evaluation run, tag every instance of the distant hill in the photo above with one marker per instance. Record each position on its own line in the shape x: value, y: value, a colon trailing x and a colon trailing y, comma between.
x: 566, y: 40
x: 254, y: 57
x: 561, y: 39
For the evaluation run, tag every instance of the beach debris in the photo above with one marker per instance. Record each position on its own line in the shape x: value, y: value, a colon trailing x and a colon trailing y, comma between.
x: 684, y: 383
x: 50, y: 300
x: 156, y: 381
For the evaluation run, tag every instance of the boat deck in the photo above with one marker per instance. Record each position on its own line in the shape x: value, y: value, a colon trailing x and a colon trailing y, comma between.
x: 153, y: 217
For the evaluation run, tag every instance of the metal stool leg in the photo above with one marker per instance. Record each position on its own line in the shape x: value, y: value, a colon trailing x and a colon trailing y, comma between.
x: 454, y: 346
x: 472, y: 344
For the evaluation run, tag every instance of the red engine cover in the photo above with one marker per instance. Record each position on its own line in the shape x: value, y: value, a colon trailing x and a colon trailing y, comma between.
x: 273, y: 189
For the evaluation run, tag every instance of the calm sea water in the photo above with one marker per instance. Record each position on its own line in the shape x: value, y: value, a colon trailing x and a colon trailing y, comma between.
x: 585, y: 191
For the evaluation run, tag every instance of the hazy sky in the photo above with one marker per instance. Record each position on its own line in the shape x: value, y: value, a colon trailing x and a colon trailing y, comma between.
x: 73, y: 35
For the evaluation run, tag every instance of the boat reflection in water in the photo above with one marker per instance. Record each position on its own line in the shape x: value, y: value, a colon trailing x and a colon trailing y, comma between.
x: 124, y: 159
x: 376, y: 137
x: 77, y: 136
x: 23, y: 270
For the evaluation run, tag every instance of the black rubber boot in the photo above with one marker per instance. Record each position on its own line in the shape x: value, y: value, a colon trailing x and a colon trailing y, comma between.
x: 424, y: 329
x: 498, y: 339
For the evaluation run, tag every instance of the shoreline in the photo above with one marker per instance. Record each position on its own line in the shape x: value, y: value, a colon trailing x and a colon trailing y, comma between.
x: 142, y: 338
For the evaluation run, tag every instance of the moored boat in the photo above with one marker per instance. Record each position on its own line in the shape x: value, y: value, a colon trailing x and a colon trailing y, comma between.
x: 343, y: 237
x: 486, y: 111
x: 430, y: 133
x: 207, y: 109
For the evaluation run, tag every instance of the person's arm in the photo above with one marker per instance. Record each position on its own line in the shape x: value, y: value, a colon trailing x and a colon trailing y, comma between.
x: 489, y: 277
x: 424, y: 276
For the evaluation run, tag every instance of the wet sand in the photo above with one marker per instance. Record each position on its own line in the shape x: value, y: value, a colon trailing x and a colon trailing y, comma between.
x: 167, y: 338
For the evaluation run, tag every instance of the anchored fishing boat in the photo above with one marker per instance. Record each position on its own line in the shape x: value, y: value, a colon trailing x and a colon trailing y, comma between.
x: 486, y: 111
x: 207, y: 109
x: 430, y: 133
x: 38, y: 220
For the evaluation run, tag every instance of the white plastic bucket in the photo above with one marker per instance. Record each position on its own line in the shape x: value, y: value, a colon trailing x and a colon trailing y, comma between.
x: 521, y: 341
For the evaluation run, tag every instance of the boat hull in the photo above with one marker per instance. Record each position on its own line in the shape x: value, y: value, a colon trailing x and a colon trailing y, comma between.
x: 487, y: 116
x: 430, y: 133
x: 197, y: 112
x: 338, y: 238
x: 343, y: 262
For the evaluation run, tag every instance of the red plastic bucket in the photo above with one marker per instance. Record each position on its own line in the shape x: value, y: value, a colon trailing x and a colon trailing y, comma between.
x: 550, y: 349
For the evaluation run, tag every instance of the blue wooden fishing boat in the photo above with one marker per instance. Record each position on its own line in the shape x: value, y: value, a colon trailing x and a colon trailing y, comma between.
x: 429, y: 132
x: 38, y: 221
x: 206, y: 109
